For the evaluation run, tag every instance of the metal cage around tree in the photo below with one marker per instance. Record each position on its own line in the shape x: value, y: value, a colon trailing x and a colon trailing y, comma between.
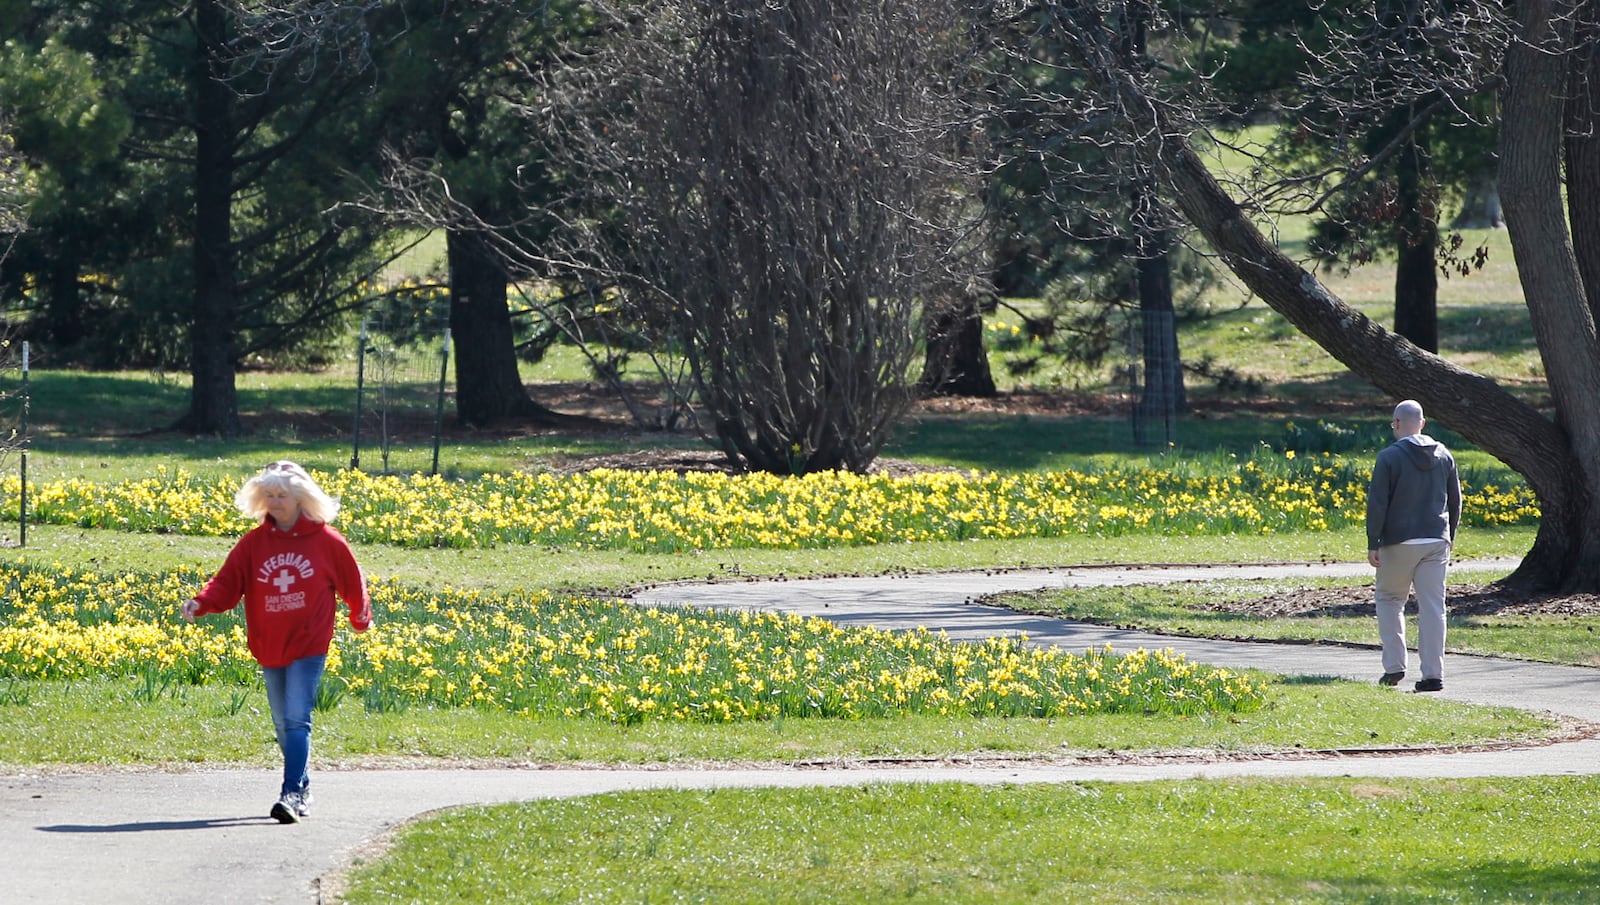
x: 402, y: 380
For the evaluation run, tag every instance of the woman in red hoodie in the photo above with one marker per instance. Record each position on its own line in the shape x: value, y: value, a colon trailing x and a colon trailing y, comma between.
x: 288, y: 570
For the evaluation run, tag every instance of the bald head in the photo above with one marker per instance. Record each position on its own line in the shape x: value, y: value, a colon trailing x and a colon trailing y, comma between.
x: 1408, y: 418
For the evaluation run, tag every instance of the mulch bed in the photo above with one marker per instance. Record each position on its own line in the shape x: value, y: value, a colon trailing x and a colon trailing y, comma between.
x: 1464, y: 600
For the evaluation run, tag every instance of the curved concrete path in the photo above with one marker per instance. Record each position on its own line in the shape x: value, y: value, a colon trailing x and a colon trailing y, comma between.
x: 122, y: 838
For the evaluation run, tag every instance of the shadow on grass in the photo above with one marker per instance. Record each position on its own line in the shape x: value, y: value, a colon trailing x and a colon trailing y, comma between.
x: 98, y: 404
x: 1507, y: 881
x: 1310, y: 680
x: 1492, y: 329
x: 1010, y: 443
x: 84, y: 404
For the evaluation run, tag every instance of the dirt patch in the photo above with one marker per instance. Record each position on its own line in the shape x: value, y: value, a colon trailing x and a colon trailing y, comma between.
x: 1462, y: 600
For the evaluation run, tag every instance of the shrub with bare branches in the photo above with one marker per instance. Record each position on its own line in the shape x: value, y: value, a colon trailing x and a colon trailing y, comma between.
x: 776, y: 191
x: 14, y: 181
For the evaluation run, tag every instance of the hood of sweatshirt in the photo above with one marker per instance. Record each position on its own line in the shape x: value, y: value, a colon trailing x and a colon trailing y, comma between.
x: 1425, y: 452
x: 301, y: 527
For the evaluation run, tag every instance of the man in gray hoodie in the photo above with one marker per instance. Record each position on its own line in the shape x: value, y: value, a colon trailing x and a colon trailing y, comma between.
x: 1413, y: 510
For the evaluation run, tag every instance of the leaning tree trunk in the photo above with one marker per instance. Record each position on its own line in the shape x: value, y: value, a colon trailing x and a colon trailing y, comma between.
x: 489, y: 387
x: 214, y: 403
x: 1472, y: 404
x: 1560, y: 459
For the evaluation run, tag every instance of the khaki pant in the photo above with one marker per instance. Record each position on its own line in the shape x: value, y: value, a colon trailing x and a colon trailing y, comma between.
x: 1403, y: 568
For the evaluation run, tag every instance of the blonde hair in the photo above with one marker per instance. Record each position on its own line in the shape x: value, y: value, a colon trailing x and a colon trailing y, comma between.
x: 285, y: 475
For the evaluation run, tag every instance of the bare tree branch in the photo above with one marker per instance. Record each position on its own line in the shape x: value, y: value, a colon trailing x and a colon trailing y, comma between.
x: 776, y: 192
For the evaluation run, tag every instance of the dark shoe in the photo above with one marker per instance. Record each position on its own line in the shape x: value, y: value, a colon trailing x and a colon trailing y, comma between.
x: 1391, y: 678
x: 1430, y: 685
x: 287, y: 808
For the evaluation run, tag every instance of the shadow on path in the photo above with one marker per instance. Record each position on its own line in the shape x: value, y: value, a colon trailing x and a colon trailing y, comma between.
x: 153, y: 826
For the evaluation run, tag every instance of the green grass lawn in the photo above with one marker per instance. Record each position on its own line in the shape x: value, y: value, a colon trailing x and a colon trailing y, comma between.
x: 1237, y: 841
x: 112, y: 722
x: 506, y: 568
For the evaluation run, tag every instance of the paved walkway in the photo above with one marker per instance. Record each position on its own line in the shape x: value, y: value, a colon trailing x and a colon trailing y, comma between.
x: 200, y: 837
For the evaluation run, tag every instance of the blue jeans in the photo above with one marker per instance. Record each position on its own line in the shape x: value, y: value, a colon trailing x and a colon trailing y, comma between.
x: 291, y: 692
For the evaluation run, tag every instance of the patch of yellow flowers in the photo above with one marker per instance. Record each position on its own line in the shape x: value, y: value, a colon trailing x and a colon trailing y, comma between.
x: 664, y: 512
x: 584, y: 658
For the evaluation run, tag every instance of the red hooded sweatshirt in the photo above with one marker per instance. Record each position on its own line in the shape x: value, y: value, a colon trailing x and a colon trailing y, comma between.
x: 288, y: 580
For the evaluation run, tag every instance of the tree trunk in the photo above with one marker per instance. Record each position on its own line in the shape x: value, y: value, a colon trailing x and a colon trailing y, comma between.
x: 1163, y: 398
x: 1163, y: 395
x: 1531, y: 132
x: 64, y: 324
x: 1416, y: 278
x: 1583, y: 156
x: 489, y: 387
x: 957, y: 363
x: 1481, y: 208
x: 214, y: 404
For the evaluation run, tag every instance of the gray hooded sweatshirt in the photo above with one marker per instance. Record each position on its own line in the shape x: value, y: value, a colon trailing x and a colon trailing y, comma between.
x: 1414, y: 495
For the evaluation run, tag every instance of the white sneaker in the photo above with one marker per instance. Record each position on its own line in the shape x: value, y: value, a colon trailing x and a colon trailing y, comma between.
x: 303, y: 806
x: 287, y: 808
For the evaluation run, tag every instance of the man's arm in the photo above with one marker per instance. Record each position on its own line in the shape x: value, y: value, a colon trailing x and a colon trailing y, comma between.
x: 1379, y: 491
x: 1453, y: 500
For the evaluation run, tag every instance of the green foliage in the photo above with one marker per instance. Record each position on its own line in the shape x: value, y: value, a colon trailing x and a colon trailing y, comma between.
x: 103, y: 277
x: 1392, y: 178
x: 16, y: 188
x: 59, y: 117
x: 16, y: 693
x: 1332, y: 437
x: 330, y: 691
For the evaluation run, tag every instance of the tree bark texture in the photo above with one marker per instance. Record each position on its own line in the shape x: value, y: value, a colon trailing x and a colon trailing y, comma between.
x: 957, y: 363
x: 489, y: 386
x: 1416, y: 276
x: 1583, y: 153
x: 1163, y: 397
x: 1537, y: 67
x: 214, y: 404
